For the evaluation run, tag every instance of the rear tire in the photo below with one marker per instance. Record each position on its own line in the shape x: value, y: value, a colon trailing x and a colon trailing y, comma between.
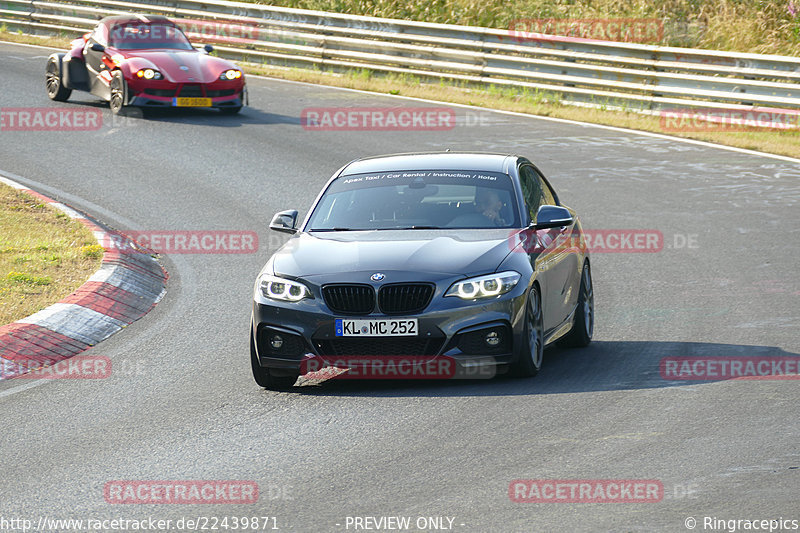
x: 582, y: 330
x: 532, y: 354
x: 263, y: 376
x: 55, y: 88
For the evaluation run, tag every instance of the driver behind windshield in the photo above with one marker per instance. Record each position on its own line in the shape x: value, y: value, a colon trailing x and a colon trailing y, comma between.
x: 489, y: 205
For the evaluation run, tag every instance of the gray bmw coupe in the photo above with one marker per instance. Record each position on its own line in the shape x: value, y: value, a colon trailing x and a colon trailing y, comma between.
x: 464, y: 257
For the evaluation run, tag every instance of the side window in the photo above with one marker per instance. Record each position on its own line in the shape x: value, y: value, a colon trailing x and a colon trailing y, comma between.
x: 531, y: 190
x: 547, y: 193
x: 100, y: 34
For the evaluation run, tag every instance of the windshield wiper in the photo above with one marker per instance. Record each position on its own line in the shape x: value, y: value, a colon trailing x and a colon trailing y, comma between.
x: 413, y: 227
x: 375, y: 229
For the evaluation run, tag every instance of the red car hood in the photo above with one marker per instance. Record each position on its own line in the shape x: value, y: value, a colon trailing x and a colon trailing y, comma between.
x: 178, y: 66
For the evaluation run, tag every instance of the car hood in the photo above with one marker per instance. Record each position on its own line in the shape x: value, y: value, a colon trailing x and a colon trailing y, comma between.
x: 449, y: 252
x: 179, y: 66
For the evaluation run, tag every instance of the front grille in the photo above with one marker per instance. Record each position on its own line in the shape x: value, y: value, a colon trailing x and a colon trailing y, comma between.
x: 160, y: 92
x: 377, y: 346
x: 190, y: 91
x: 404, y: 298
x: 350, y: 299
x: 221, y: 92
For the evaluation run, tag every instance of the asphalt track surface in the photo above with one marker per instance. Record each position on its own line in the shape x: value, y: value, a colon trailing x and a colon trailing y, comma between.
x: 183, y: 406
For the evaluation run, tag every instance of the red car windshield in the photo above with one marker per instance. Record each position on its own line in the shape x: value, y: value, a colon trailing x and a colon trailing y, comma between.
x: 143, y: 36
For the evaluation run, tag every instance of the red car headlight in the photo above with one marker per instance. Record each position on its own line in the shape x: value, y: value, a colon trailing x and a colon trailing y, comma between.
x: 231, y: 74
x: 149, y: 74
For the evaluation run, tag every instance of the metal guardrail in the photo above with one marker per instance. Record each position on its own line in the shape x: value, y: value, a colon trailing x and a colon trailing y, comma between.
x: 634, y: 76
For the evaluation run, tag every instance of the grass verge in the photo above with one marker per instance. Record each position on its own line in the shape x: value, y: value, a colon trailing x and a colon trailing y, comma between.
x: 495, y: 97
x: 44, y: 255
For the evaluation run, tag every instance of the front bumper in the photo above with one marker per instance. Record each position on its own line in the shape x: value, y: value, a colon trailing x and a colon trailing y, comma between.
x: 145, y: 100
x: 163, y: 94
x: 448, y: 327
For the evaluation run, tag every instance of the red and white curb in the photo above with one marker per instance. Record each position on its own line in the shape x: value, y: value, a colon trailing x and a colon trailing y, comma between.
x: 127, y: 286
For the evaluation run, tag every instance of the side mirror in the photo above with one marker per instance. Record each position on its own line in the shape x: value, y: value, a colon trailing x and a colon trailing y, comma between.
x: 208, y: 48
x: 97, y: 47
x: 285, y: 221
x: 553, y: 216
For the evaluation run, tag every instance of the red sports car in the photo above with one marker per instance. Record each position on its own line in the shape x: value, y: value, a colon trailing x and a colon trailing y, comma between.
x: 145, y: 61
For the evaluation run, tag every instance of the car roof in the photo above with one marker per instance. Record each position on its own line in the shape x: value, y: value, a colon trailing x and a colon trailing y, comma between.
x: 487, y: 162
x: 117, y: 20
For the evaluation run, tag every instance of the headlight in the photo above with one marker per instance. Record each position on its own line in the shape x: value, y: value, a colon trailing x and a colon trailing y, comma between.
x: 230, y: 75
x: 484, y: 286
x: 149, y: 74
x: 276, y: 288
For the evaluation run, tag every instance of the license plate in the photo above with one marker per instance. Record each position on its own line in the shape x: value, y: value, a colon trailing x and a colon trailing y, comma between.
x: 394, y: 327
x: 192, y: 102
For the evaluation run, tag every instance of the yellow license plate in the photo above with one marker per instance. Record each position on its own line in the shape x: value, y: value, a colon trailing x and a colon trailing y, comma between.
x: 192, y: 102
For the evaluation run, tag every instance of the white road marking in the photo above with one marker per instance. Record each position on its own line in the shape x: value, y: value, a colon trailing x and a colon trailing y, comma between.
x: 34, y: 383
x: 551, y: 119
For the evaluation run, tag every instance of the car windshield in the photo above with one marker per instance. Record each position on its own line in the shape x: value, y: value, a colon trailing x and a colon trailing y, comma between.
x: 142, y: 36
x: 417, y: 200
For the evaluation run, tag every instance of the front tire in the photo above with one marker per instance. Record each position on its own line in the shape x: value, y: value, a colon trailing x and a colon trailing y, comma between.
x: 118, y: 93
x: 532, y: 354
x: 53, y: 84
x: 582, y: 330
x: 263, y: 376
